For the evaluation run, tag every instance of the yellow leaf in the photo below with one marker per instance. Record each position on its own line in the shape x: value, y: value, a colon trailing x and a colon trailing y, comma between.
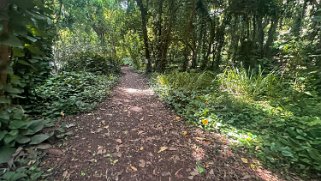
x: 141, y: 148
x: 177, y: 118
x: 244, y: 160
x: 163, y: 148
x: 184, y: 133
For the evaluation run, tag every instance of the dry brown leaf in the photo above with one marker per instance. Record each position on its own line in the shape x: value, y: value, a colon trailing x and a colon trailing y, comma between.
x: 133, y: 168
x: 211, y: 172
x: 191, y: 177
x: 55, y: 152
x: 165, y: 174
x: 172, y: 149
x: 246, y: 177
x: 101, y: 150
x: 184, y: 133
x: 194, y: 172
x: 66, y: 174
x: 200, y: 138
x: 163, y: 148
x: 142, y: 163
x: 99, y: 130
x: 119, y: 141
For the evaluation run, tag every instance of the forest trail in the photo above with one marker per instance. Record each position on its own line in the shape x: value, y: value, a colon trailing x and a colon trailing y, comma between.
x: 134, y: 136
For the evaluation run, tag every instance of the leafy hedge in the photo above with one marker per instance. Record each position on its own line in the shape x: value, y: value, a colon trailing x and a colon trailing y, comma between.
x: 91, y: 62
x: 70, y: 93
x: 253, y: 111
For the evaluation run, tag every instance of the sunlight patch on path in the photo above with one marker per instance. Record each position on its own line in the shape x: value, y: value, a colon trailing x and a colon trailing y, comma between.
x: 138, y: 91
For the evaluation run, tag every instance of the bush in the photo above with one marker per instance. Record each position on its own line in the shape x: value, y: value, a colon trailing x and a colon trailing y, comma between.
x: 70, y: 93
x: 246, y: 83
x: 91, y: 62
x: 279, y: 126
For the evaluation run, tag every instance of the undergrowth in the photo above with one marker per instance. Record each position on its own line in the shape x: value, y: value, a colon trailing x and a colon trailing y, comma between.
x: 281, y: 126
x: 70, y: 93
x: 27, y: 110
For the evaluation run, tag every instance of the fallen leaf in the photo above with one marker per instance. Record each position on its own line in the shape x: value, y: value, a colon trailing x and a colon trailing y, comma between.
x: 244, y: 160
x: 163, y: 148
x: 101, y: 150
x: 200, y: 138
x: 44, y: 146
x: 133, y: 168
x: 211, y: 172
x: 141, y: 148
x: 114, y: 162
x: 165, y: 174
x: 172, y: 149
x: 177, y: 118
x: 191, y: 177
x: 194, y: 172
x: 70, y: 125
x: 246, y: 177
x: 154, y: 172
x: 99, y: 130
x: 142, y: 163
x: 184, y: 133
x: 119, y: 141
x: 66, y: 174
x: 55, y: 152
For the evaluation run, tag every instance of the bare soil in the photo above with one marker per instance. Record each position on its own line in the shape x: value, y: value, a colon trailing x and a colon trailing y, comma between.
x: 134, y: 136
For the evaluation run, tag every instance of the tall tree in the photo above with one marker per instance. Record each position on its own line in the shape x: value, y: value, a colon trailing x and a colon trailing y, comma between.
x: 144, y: 17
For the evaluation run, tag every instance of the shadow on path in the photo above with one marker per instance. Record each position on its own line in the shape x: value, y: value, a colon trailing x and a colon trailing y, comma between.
x: 134, y: 136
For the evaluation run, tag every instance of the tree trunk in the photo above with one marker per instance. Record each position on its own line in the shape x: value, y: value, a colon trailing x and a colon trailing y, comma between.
x: 298, y: 22
x: 271, y: 36
x: 185, y: 61
x: 144, y: 14
x: 260, y: 35
x: 4, y: 49
x: 165, y: 34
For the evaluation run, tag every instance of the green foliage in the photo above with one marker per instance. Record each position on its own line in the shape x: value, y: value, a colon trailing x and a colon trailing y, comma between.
x: 18, y: 129
x: 254, y: 112
x: 248, y: 83
x: 91, y: 62
x: 70, y: 92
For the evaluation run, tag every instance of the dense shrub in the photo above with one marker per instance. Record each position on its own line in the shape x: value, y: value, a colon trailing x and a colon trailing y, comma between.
x: 91, y: 62
x: 70, y: 93
x: 281, y: 126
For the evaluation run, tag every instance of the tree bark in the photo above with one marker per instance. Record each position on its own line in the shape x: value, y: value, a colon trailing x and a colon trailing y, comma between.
x: 4, y: 49
x: 260, y: 35
x: 143, y: 11
x: 271, y: 37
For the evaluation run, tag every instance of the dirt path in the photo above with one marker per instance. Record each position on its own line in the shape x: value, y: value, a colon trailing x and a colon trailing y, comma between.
x: 133, y: 136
